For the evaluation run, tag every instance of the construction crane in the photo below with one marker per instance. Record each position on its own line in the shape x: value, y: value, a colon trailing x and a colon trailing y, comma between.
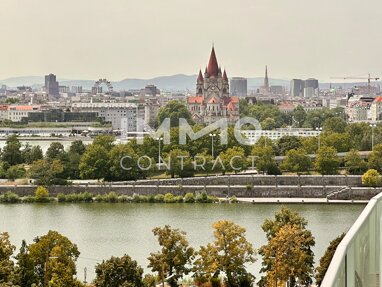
x: 369, y: 79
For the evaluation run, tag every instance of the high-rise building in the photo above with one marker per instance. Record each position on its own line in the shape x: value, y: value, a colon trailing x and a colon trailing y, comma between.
x: 238, y: 86
x: 76, y: 89
x: 51, y: 85
x: 300, y: 88
x: 296, y: 87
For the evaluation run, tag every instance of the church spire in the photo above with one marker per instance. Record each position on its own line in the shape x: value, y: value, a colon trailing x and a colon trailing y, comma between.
x: 200, y: 77
x: 225, y: 78
x: 213, y: 67
x: 266, y: 80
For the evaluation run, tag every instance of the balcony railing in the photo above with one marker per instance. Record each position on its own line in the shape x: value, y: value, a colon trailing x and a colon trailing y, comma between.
x: 357, y: 260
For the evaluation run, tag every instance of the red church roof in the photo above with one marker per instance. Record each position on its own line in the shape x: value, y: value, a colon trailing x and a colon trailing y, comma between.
x: 195, y: 100
x: 378, y: 99
x: 213, y: 67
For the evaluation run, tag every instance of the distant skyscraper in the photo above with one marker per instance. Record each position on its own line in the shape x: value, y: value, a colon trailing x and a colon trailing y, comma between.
x: 51, y: 85
x: 238, y: 86
x: 301, y: 88
x: 266, y: 80
x: 297, y: 87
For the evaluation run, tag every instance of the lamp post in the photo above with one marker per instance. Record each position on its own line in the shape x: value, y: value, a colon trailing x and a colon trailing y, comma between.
x: 159, y: 141
x: 212, y: 144
x: 372, y: 135
x: 319, y: 129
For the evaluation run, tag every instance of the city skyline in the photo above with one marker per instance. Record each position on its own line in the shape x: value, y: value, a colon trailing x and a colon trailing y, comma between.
x: 146, y: 39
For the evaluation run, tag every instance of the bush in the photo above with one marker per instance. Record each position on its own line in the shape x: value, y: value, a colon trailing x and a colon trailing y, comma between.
x: 189, y: 198
x: 159, y: 198
x: 202, y: 197
x: 233, y: 199
x: 10, y: 197
x: 41, y: 194
x: 111, y: 197
x: 178, y: 199
x: 169, y: 198
x: 371, y: 178
x: 75, y: 197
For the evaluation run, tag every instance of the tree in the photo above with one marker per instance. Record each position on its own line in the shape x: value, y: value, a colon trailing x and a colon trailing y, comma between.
x: 203, y: 162
x: 132, y: 166
x: 119, y: 271
x: 11, y: 152
x: 25, y: 269
x: 174, y: 110
x: 46, y: 172
x: 229, y: 253
x: 233, y: 159
x: 287, y: 143
x: 32, y: 153
x: 334, y: 125
x: 341, y: 142
x: 288, y: 258
x: 179, y: 163
x: 371, y: 178
x: 272, y: 227
x: 78, y: 147
x: 53, y: 257
x: 327, y: 161
x: 55, y: 151
x: 326, y: 259
x: 375, y: 158
x: 105, y: 141
x: 6, y: 264
x: 354, y: 163
x: 299, y: 115
x: 94, y: 162
x: 264, y: 160
x: 297, y: 160
x: 310, y: 144
x: 15, y: 172
x: 175, y: 256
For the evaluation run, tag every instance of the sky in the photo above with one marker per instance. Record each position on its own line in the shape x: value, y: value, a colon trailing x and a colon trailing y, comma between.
x: 118, y: 39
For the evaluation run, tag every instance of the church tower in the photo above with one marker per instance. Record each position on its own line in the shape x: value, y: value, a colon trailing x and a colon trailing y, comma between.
x: 266, y: 80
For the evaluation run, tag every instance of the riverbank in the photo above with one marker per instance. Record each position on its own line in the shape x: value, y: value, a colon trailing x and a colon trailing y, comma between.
x: 275, y: 200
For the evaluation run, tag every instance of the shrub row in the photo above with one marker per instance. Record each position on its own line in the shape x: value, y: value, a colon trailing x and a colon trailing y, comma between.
x: 112, y: 197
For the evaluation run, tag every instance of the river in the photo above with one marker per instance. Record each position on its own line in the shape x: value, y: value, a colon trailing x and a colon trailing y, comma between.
x: 101, y: 229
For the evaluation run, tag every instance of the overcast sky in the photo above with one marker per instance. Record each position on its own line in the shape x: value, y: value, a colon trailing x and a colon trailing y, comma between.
x: 117, y: 39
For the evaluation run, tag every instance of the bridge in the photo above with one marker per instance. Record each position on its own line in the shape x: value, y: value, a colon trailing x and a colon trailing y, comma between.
x: 357, y: 261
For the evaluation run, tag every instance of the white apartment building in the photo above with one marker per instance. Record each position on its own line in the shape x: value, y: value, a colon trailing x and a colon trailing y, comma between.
x: 17, y: 113
x: 121, y: 115
x: 376, y: 109
x: 254, y: 135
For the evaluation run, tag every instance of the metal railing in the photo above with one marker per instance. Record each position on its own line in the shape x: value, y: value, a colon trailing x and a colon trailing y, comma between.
x: 357, y: 260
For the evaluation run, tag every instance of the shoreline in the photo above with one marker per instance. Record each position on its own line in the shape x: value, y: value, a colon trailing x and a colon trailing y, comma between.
x: 288, y: 200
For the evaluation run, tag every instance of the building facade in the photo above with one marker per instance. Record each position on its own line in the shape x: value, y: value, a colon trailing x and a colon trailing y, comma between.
x: 212, y: 101
x: 51, y: 85
x: 239, y: 86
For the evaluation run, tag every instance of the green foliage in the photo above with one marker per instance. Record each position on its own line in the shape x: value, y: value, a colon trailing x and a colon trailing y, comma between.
x: 169, y: 198
x: 174, y: 110
x: 75, y: 197
x: 41, y: 194
x: 53, y: 257
x: 334, y: 125
x: 233, y: 159
x: 229, y: 253
x: 375, y: 158
x: 7, y: 268
x: 327, y: 161
x: 326, y: 259
x: 265, y: 160
x: 46, y: 172
x: 11, y: 153
x: 354, y: 163
x: 287, y: 235
x: 175, y: 255
x: 297, y: 160
x: 371, y: 178
x: 287, y: 143
x: 55, y: 151
x: 94, y: 162
x: 31, y: 154
x: 189, y: 198
x: 117, y: 272
x: 299, y: 116
x: 179, y: 162
x: 110, y: 197
x: 10, y: 197
x: 15, y: 172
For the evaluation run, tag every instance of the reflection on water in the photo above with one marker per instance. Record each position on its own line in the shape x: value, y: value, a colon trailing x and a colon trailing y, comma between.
x: 101, y: 230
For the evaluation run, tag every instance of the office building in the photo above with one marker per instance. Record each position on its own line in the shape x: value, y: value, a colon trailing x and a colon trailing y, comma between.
x: 51, y: 85
x: 238, y: 86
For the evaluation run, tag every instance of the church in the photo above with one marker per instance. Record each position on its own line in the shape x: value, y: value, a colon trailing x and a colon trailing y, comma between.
x: 212, y: 101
